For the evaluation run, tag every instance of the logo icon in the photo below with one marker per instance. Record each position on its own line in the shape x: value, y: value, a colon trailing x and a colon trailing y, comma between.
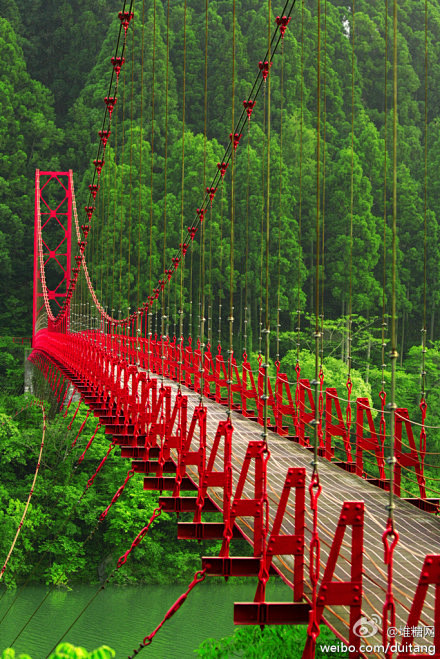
x: 367, y: 627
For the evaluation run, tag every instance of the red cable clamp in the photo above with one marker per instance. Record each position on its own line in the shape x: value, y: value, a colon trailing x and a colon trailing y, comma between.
x: 423, y: 407
x: 94, y: 189
x: 156, y: 293
x: 78, y: 258
x: 390, y: 538
x: 162, y: 284
x: 201, y: 214
x: 82, y: 245
x: 222, y: 167
x: 169, y: 273
x: 192, y: 231
x: 249, y: 106
x: 118, y: 63
x: 110, y: 102
x: 85, y: 228
x: 282, y: 22
x: 183, y: 247
x: 89, y: 210
x: 99, y: 164
x: 315, y: 489
x: 349, y: 386
x: 211, y: 192
x: 125, y: 17
x: 264, y: 68
x: 104, y: 135
x: 235, y: 138
x: 176, y: 261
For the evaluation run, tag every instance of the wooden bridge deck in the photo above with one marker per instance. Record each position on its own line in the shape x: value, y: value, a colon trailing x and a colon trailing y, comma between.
x: 419, y: 531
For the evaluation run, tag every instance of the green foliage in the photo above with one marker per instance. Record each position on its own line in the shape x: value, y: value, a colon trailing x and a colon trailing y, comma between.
x: 67, y: 651
x: 9, y: 653
x: 283, y: 642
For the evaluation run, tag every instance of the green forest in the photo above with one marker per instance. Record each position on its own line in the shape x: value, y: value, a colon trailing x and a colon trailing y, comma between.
x: 52, y: 105
x: 55, y: 75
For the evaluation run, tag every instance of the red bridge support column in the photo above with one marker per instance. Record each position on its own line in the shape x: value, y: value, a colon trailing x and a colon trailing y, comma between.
x: 53, y: 250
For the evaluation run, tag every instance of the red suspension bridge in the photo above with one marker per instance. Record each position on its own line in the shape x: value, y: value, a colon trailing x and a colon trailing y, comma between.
x: 192, y: 418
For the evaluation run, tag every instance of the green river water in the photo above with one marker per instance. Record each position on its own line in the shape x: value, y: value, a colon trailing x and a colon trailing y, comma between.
x: 122, y: 616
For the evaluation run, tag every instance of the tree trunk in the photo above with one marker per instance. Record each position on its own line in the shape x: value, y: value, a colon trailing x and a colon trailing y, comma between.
x: 342, y: 336
x: 403, y: 338
x: 240, y: 322
x: 367, y: 372
x: 312, y: 278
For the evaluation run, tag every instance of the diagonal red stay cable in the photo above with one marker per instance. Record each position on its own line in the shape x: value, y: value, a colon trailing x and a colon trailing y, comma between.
x: 81, y: 428
x: 156, y: 513
x: 22, y: 409
x: 89, y: 443
x: 118, y: 493
x: 198, y: 578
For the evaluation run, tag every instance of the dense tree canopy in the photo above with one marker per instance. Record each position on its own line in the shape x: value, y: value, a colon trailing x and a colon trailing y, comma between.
x: 66, y: 48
